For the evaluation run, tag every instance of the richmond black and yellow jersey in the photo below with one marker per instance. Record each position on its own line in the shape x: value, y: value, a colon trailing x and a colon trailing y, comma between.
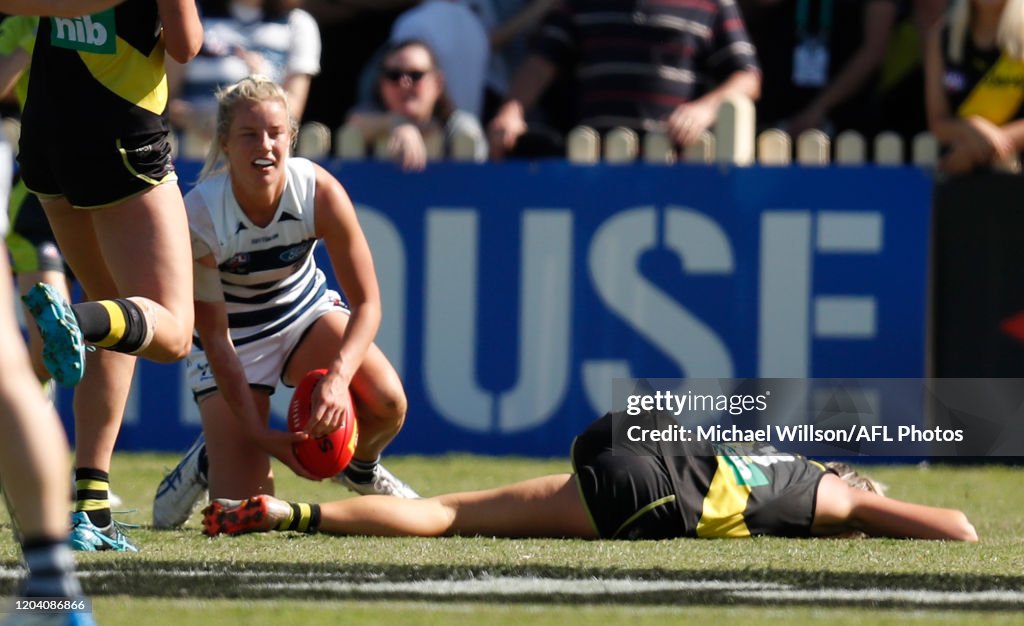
x: 985, y: 82
x: 651, y: 490
x: 105, y: 71
x: 743, y: 492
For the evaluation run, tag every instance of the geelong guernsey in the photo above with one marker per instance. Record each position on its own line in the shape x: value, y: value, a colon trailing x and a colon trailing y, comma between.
x: 268, y: 274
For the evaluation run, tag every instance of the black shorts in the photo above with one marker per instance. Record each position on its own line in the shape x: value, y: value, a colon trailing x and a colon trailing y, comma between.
x: 93, y: 172
x: 657, y: 491
x: 31, y: 243
x: 627, y: 496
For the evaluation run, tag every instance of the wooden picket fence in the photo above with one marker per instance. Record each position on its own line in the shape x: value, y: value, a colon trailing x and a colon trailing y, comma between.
x: 733, y: 140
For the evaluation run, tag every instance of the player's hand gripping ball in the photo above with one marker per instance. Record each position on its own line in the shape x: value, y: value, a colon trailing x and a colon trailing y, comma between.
x: 324, y: 456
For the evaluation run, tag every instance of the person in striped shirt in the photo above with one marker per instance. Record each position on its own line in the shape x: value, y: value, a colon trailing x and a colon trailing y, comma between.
x: 646, y: 65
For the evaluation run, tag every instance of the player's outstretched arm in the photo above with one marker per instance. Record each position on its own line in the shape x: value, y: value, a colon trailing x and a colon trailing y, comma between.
x: 842, y: 509
x: 56, y: 8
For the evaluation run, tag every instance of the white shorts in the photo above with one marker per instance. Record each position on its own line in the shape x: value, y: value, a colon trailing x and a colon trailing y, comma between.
x: 264, y: 359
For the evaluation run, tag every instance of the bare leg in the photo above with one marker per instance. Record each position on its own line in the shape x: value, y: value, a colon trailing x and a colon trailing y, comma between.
x: 104, y: 248
x: 376, y: 388
x: 33, y: 452
x: 137, y: 249
x: 32, y: 436
x: 99, y: 405
x: 549, y: 506
x: 35, y: 343
x: 141, y: 247
x: 238, y: 468
x: 101, y: 396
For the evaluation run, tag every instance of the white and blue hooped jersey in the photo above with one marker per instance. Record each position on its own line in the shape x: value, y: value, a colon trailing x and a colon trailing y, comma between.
x: 268, y: 274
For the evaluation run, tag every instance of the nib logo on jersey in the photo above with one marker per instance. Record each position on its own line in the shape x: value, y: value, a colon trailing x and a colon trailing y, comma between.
x: 90, y: 33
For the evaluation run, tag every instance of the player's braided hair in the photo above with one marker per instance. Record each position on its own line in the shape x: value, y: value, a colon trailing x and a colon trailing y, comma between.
x: 855, y: 479
x: 254, y: 88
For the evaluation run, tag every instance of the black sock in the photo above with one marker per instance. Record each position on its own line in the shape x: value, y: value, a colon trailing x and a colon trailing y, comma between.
x: 117, y: 325
x: 361, y: 471
x: 92, y: 492
x: 51, y: 569
x: 204, y: 463
x: 93, y: 320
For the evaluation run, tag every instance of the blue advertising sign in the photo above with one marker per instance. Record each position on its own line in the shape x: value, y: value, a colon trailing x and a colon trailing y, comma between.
x: 515, y: 293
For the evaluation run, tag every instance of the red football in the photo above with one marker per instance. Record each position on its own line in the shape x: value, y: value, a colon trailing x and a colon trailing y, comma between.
x: 324, y: 456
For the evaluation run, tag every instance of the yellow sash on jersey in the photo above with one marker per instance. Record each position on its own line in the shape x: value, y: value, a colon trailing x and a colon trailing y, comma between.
x: 137, y: 78
x: 724, y: 503
x: 999, y: 93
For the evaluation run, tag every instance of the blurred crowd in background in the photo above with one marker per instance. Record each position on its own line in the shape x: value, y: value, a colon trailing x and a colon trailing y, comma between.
x: 516, y: 75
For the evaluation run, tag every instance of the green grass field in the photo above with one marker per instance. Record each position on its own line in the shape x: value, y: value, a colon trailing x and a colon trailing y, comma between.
x: 182, y: 577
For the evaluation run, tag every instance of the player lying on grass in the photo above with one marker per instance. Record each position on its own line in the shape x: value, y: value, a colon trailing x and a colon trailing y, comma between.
x: 642, y: 490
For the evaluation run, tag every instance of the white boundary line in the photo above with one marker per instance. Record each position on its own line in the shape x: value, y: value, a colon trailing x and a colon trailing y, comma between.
x: 484, y: 586
x: 521, y: 585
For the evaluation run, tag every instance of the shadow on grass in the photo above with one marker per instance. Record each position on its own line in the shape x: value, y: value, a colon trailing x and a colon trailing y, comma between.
x: 261, y: 580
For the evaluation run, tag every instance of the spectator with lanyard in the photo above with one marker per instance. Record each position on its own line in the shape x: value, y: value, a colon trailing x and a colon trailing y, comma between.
x: 821, y: 59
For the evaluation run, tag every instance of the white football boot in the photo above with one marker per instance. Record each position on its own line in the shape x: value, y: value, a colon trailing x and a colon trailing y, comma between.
x: 181, y: 491
x: 383, y: 483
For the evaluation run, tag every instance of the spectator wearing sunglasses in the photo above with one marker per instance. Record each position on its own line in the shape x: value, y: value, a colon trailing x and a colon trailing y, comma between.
x: 409, y: 100
x: 456, y: 33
